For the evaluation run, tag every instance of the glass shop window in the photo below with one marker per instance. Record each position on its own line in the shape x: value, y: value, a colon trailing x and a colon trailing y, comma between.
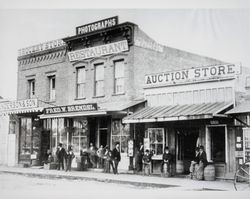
x: 79, y: 136
x: 120, y: 134
x: 156, y: 140
x: 25, y: 136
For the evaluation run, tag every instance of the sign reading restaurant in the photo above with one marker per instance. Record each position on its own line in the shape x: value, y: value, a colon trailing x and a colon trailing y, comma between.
x: 20, y: 104
x: 41, y: 47
x: 98, y: 25
x: 98, y: 51
x: 193, y: 75
x: 71, y: 108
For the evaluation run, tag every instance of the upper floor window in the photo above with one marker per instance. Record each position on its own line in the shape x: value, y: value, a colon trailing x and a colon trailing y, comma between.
x: 80, y: 82
x: 99, y: 79
x: 247, y: 82
x: 31, y: 88
x: 119, y: 76
x: 52, y: 88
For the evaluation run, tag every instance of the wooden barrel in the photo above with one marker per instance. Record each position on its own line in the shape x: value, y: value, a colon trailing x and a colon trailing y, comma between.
x: 209, y: 172
x: 179, y: 166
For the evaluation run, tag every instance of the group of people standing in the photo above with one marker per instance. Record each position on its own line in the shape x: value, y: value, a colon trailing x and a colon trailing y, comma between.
x: 143, y: 160
x: 104, y: 158
x: 63, y: 155
x: 198, y: 164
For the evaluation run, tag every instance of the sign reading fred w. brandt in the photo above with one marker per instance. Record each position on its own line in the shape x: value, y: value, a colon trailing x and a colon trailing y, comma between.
x: 71, y: 108
x: 193, y: 75
x: 98, y: 51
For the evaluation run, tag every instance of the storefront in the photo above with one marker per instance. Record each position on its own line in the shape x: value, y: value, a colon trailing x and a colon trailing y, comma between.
x: 186, y: 109
x: 25, y: 130
x: 82, y: 124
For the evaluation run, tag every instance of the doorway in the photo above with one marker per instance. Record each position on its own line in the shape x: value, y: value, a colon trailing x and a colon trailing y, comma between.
x: 186, y: 142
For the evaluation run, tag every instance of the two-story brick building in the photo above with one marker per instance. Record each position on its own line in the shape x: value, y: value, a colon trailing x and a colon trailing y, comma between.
x: 77, y: 90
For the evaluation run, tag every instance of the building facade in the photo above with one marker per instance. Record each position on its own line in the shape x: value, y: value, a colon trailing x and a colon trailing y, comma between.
x: 88, y: 88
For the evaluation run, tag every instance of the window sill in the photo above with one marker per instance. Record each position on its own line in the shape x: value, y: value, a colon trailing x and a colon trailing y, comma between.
x: 98, y: 96
x: 82, y: 98
x: 117, y: 94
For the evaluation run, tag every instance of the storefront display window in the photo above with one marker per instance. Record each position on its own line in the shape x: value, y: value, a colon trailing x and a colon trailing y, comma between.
x: 79, y: 136
x: 156, y: 140
x: 25, y: 137
x: 120, y: 134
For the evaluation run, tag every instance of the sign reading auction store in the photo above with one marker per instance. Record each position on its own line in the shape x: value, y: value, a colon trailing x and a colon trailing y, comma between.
x: 98, y: 51
x: 41, y: 47
x: 193, y: 75
x: 98, y: 25
x: 71, y: 108
x: 18, y: 105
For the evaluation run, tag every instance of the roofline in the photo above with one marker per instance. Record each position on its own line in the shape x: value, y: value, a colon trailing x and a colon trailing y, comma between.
x: 75, y: 37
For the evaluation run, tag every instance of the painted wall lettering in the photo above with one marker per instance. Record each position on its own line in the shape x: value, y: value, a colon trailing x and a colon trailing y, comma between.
x: 193, y: 75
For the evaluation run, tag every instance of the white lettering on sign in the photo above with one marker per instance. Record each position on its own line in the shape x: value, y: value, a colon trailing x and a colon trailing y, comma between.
x: 71, y: 108
x: 152, y: 45
x: 98, y: 51
x: 20, y: 104
x: 41, y: 47
x: 193, y: 75
x: 98, y: 25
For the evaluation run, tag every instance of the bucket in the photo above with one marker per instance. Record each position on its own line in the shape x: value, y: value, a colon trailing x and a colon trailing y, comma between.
x: 209, y: 172
x: 179, y: 167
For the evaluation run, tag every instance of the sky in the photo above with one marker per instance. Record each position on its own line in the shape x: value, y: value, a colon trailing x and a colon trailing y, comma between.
x: 222, y: 33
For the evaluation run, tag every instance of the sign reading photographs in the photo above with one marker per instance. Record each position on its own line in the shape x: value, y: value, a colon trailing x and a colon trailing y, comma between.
x: 98, y: 25
x: 193, y: 75
x: 98, y: 51
x: 20, y: 104
x: 71, y: 108
x: 41, y: 47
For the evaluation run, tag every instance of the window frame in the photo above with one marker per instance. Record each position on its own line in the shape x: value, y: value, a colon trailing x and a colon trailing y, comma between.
x: 98, y: 81
x: 119, y: 78
x: 52, y: 92
x: 82, y: 83
x: 32, y: 88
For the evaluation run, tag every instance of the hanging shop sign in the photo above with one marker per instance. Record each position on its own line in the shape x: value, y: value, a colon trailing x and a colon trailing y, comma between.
x: 19, y: 104
x: 193, y: 75
x: 71, y: 108
x: 41, y: 47
x: 98, y: 51
x: 98, y: 25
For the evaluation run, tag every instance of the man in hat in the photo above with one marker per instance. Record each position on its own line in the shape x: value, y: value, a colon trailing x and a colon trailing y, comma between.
x: 116, y: 157
x: 60, y: 154
x: 166, y: 160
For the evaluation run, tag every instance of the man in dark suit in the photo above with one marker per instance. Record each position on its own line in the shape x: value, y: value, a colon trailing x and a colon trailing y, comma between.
x: 116, y: 157
x: 60, y: 153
